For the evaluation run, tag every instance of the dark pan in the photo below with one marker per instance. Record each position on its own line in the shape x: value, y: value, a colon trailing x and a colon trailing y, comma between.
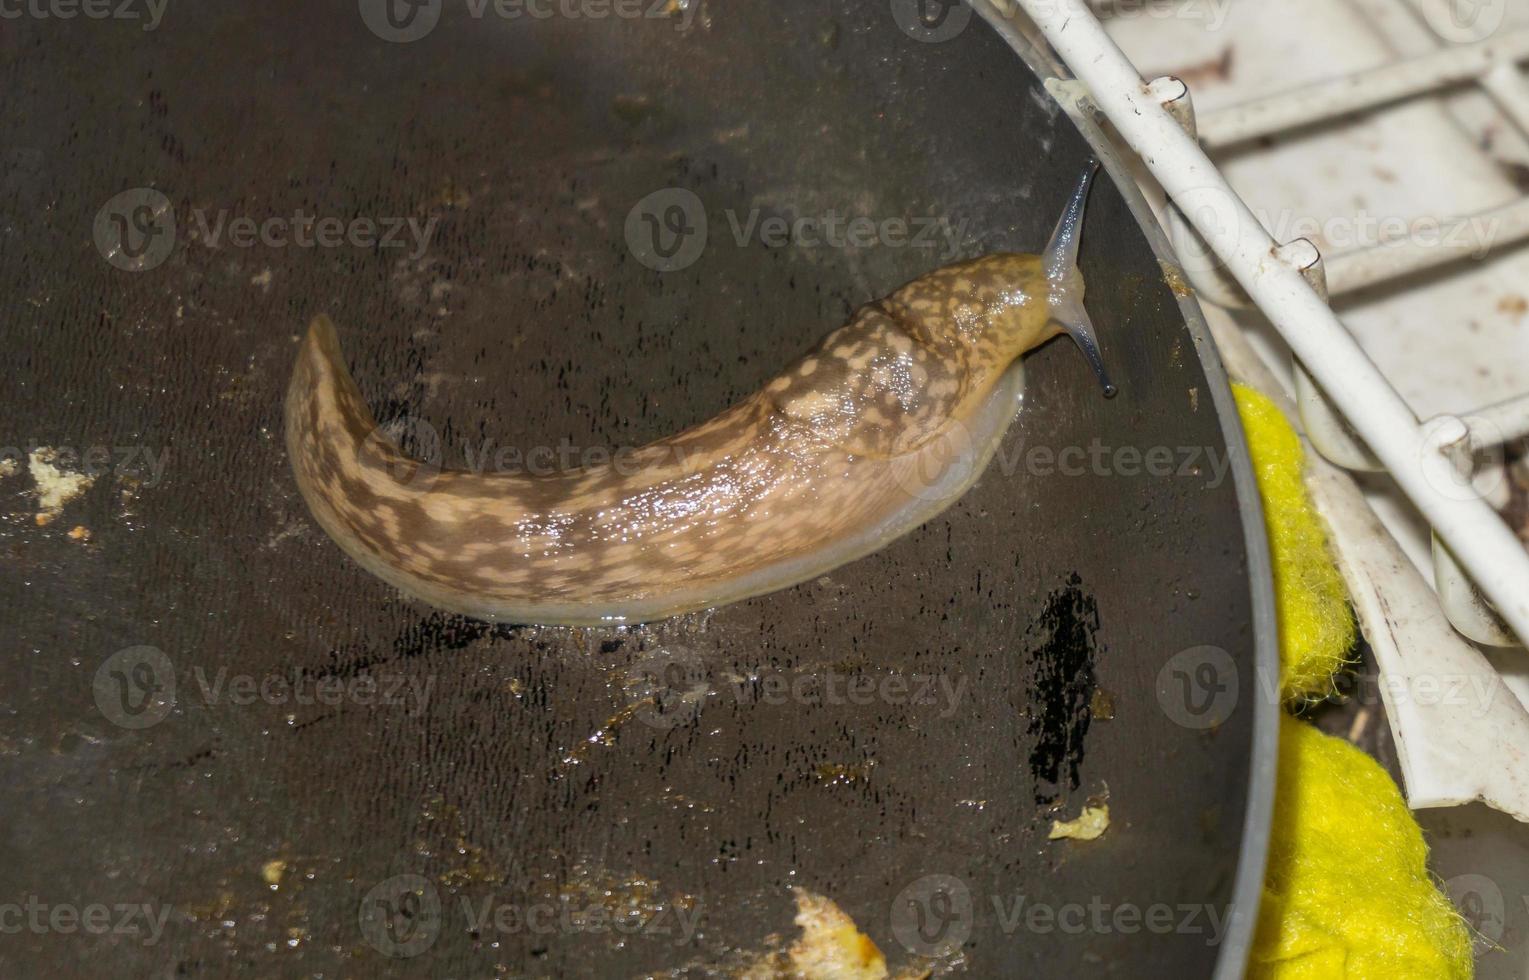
x: 641, y: 771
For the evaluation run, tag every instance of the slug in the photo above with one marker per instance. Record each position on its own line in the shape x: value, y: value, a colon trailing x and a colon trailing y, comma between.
x: 872, y: 433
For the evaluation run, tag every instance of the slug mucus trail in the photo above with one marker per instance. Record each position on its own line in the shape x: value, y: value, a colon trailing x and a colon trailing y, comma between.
x: 875, y: 431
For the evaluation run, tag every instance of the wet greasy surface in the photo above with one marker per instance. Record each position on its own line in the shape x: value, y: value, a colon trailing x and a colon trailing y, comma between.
x: 307, y: 773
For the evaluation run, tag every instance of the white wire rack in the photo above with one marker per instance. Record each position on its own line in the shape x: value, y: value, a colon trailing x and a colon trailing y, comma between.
x: 1352, y: 413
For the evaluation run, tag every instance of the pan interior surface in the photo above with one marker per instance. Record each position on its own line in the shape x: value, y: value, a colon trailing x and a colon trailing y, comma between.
x: 897, y: 736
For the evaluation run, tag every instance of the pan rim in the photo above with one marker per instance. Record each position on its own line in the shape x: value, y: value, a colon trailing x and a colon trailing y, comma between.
x: 1258, y: 815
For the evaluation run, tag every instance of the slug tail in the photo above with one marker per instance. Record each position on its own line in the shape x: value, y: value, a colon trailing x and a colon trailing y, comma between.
x: 360, y: 487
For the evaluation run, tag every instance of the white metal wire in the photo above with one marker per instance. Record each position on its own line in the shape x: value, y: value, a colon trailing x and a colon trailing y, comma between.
x: 1339, y: 97
x: 1420, y: 456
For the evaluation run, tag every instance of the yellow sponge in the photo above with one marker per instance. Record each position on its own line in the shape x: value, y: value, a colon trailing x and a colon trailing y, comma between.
x: 1316, y: 628
x: 1347, y: 893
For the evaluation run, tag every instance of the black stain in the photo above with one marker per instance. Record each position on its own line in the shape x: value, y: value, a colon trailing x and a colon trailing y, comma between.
x: 1062, y: 646
x: 435, y: 632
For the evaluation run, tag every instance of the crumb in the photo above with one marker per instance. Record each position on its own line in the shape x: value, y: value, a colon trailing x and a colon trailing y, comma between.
x: 55, y: 486
x: 272, y: 871
x: 80, y: 533
x: 1090, y: 825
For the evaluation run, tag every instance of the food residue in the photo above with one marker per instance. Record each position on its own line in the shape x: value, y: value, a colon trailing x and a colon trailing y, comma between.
x: 1089, y: 825
x: 272, y: 871
x: 831, y: 946
x: 55, y: 486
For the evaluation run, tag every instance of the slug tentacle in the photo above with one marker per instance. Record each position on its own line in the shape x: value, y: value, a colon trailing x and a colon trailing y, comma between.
x: 876, y: 430
x: 1066, y: 280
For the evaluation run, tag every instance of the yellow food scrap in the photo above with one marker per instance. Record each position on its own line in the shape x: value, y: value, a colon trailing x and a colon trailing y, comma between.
x: 832, y: 947
x: 272, y: 871
x: 1090, y: 825
x: 55, y: 487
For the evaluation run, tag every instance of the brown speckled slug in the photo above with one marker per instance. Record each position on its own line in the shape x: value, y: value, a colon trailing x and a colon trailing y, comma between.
x: 874, y: 432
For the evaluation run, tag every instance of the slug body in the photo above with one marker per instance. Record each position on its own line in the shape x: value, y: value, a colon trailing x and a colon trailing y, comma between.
x: 875, y: 431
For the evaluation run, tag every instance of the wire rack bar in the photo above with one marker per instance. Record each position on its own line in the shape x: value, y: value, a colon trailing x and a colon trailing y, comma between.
x: 1415, y: 454
x: 1323, y: 101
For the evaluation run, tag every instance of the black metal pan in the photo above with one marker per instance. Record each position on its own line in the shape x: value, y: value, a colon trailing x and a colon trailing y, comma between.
x: 307, y: 774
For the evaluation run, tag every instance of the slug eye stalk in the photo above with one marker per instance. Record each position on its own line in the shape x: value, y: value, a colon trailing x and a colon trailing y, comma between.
x: 1065, y: 280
